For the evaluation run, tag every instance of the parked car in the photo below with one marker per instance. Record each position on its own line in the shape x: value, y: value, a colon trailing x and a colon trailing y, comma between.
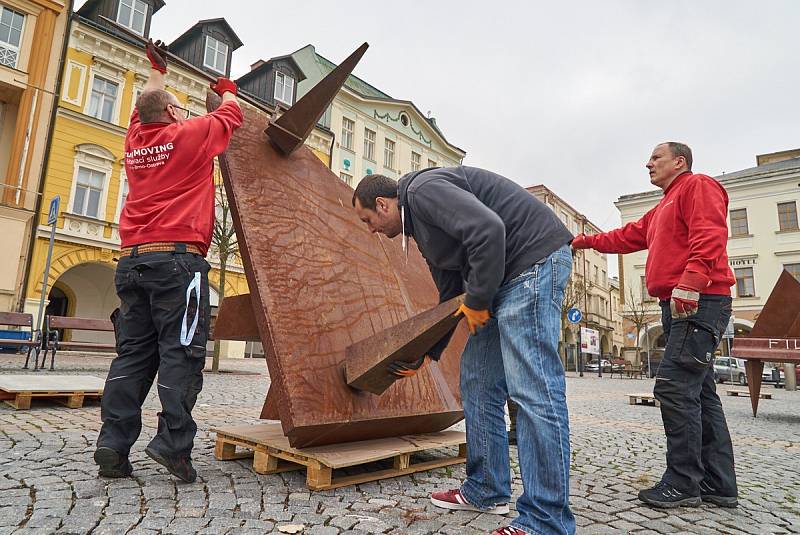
x: 730, y: 369
x: 767, y: 376
x: 591, y: 366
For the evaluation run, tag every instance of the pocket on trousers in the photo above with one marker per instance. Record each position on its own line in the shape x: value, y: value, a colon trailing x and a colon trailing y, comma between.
x: 698, y: 346
x: 561, y: 273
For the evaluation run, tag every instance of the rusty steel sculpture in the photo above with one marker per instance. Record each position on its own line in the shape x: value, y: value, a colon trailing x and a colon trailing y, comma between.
x: 775, y: 336
x: 320, y: 282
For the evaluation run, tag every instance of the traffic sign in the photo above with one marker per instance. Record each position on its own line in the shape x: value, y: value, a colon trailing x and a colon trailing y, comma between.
x: 574, y: 315
x: 52, y: 214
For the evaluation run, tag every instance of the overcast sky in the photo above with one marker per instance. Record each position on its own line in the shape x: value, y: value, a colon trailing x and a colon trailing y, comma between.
x: 572, y: 94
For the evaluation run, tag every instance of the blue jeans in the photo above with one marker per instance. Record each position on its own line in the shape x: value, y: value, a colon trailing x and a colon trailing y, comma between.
x: 516, y: 355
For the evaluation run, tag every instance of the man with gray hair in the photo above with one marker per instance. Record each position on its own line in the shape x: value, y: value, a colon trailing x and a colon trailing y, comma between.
x: 686, y: 236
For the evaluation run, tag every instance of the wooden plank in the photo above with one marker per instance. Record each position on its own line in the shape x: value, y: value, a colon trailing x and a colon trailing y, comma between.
x: 51, y: 384
x: 84, y: 324
x: 17, y: 319
x: 746, y: 393
x: 366, y: 361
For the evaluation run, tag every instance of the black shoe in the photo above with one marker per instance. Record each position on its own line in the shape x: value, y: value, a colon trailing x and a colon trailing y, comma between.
x: 666, y: 496
x: 111, y: 463
x: 710, y: 494
x: 180, y: 467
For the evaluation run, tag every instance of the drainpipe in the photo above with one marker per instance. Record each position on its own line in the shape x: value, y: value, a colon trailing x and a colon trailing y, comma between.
x: 56, y: 97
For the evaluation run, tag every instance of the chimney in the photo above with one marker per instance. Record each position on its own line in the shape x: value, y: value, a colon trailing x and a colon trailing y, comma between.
x: 257, y: 64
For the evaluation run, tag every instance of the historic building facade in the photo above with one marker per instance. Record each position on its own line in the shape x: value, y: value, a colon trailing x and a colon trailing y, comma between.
x: 105, y: 69
x: 375, y: 133
x: 32, y: 36
x: 590, y: 289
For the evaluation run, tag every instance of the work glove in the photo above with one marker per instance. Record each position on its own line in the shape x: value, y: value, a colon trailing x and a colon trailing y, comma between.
x: 157, y: 54
x: 581, y: 241
x: 401, y: 368
x: 686, y: 295
x: 475, y: 318
x: 222, y: 85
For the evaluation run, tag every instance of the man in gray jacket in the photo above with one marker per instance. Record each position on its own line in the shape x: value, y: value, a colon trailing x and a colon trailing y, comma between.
x: 485, y: 236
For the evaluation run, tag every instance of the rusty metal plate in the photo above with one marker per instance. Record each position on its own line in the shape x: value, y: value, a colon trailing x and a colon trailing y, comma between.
x: 367, y: 360
x: 319, y: 282
x: 780, y: 316
x: 235, y: 320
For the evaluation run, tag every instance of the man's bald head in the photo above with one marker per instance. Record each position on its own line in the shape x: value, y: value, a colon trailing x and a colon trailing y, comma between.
x: 152, y: 106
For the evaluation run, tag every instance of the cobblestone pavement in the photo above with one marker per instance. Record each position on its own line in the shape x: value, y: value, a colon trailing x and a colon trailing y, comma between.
x: 48, y: 480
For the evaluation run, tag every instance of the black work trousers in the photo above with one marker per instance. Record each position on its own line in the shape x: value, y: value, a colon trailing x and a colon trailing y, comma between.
x: 698, y: 442
x: 162, y: 327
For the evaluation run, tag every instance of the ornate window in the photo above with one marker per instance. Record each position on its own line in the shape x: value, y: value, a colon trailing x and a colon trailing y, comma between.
x: 11, y: 24
x: 103, y: 100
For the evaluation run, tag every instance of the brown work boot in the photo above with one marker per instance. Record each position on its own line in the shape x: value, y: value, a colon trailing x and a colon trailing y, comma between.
x: 180, y: 467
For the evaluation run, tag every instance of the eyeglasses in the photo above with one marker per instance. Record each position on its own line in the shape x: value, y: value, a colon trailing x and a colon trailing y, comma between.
x: 185, y: 110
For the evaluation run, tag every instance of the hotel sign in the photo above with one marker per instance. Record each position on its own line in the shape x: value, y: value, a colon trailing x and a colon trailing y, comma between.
x: 742, y: 262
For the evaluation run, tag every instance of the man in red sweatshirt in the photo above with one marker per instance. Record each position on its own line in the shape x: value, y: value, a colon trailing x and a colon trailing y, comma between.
x: 686, y: 236
x: 162, y: 275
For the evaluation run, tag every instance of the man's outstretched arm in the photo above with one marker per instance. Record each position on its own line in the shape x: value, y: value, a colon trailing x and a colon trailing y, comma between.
x: 157, y: 54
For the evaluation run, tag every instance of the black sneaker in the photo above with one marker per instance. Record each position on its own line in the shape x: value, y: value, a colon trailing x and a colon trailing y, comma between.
x: 180, y: 467
x: 711, y: 495
x: 111, y: 463
x: 666, y: 496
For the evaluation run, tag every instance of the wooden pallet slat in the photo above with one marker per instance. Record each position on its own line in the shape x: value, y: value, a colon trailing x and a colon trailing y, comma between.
x: 272, y: 454
x: 746, y: 394
x: 643, y: 399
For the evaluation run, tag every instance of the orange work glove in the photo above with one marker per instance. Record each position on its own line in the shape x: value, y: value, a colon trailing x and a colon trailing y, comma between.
x: 581, y: 241
x: 475, y: 318
x: 402, y: 368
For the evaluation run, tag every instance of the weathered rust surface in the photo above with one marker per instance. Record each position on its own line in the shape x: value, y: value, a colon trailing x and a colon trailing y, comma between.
x: 235, y: 320
x: 775, y: 336
x: 294, y: 126
x: 367, y: 360
x: 321, y: 281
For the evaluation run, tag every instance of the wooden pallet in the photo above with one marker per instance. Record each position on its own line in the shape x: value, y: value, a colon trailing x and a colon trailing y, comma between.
x: 70, y: 390
x: 272, y: 454
x: 746, y: 394
x: 643, y: 399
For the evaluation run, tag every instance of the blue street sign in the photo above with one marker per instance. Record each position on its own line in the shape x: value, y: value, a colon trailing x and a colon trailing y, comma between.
x: 574, y: 315
x: 52, y: 215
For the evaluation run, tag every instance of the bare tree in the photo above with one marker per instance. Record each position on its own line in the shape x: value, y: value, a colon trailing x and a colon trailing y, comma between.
x: 226, y: 245
x: 636, y: 312
x: 574, y: 295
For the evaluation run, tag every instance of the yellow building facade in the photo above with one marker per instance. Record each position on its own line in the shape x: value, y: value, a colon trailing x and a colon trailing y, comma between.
x: 103, y: 75
x: 31, y: 42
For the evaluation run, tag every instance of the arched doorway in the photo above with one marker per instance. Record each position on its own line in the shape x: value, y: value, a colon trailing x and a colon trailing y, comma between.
x: 90, y: 293
x: 615, y: 351
x: 605, y: 346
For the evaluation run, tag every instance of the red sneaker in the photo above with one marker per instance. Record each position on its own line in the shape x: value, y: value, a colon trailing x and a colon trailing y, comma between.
x: 452, y: 499
x: 508, y: 530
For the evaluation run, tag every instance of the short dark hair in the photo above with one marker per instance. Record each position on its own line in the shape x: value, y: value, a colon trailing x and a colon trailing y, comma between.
x: 373, y: 186
x: 152, y: 106
x: 681, y: 149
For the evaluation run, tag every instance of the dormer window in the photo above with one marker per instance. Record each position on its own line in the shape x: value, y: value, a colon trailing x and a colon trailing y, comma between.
x: 284, y: 88
x: 216, y: 56
x: 132, y: 14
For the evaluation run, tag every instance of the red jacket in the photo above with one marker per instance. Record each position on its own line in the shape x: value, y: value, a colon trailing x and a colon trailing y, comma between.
x: 170, y: 171
x: 686, y: 235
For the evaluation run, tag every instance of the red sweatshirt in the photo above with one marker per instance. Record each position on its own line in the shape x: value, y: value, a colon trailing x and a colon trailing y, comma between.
x: 170, y: 171
x: 686, y: 235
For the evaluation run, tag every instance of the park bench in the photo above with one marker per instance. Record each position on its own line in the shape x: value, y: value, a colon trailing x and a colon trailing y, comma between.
x: 54, y: 343
x: 631, y: 371
x: 615, y: 367
x: 32, y: 338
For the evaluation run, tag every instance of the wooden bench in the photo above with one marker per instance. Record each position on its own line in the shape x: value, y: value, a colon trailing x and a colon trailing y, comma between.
x: 632, y: 371
x: 54, y: 343
x: 615, y: 367
x: 19, y: 319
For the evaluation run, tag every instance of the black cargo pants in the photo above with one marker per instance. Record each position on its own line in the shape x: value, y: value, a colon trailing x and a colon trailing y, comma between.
x: 698, y: 442
x: 162, y: 327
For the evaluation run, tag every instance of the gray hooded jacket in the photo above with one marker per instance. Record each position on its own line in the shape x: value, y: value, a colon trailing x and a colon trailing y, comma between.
x: 476, y: 229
